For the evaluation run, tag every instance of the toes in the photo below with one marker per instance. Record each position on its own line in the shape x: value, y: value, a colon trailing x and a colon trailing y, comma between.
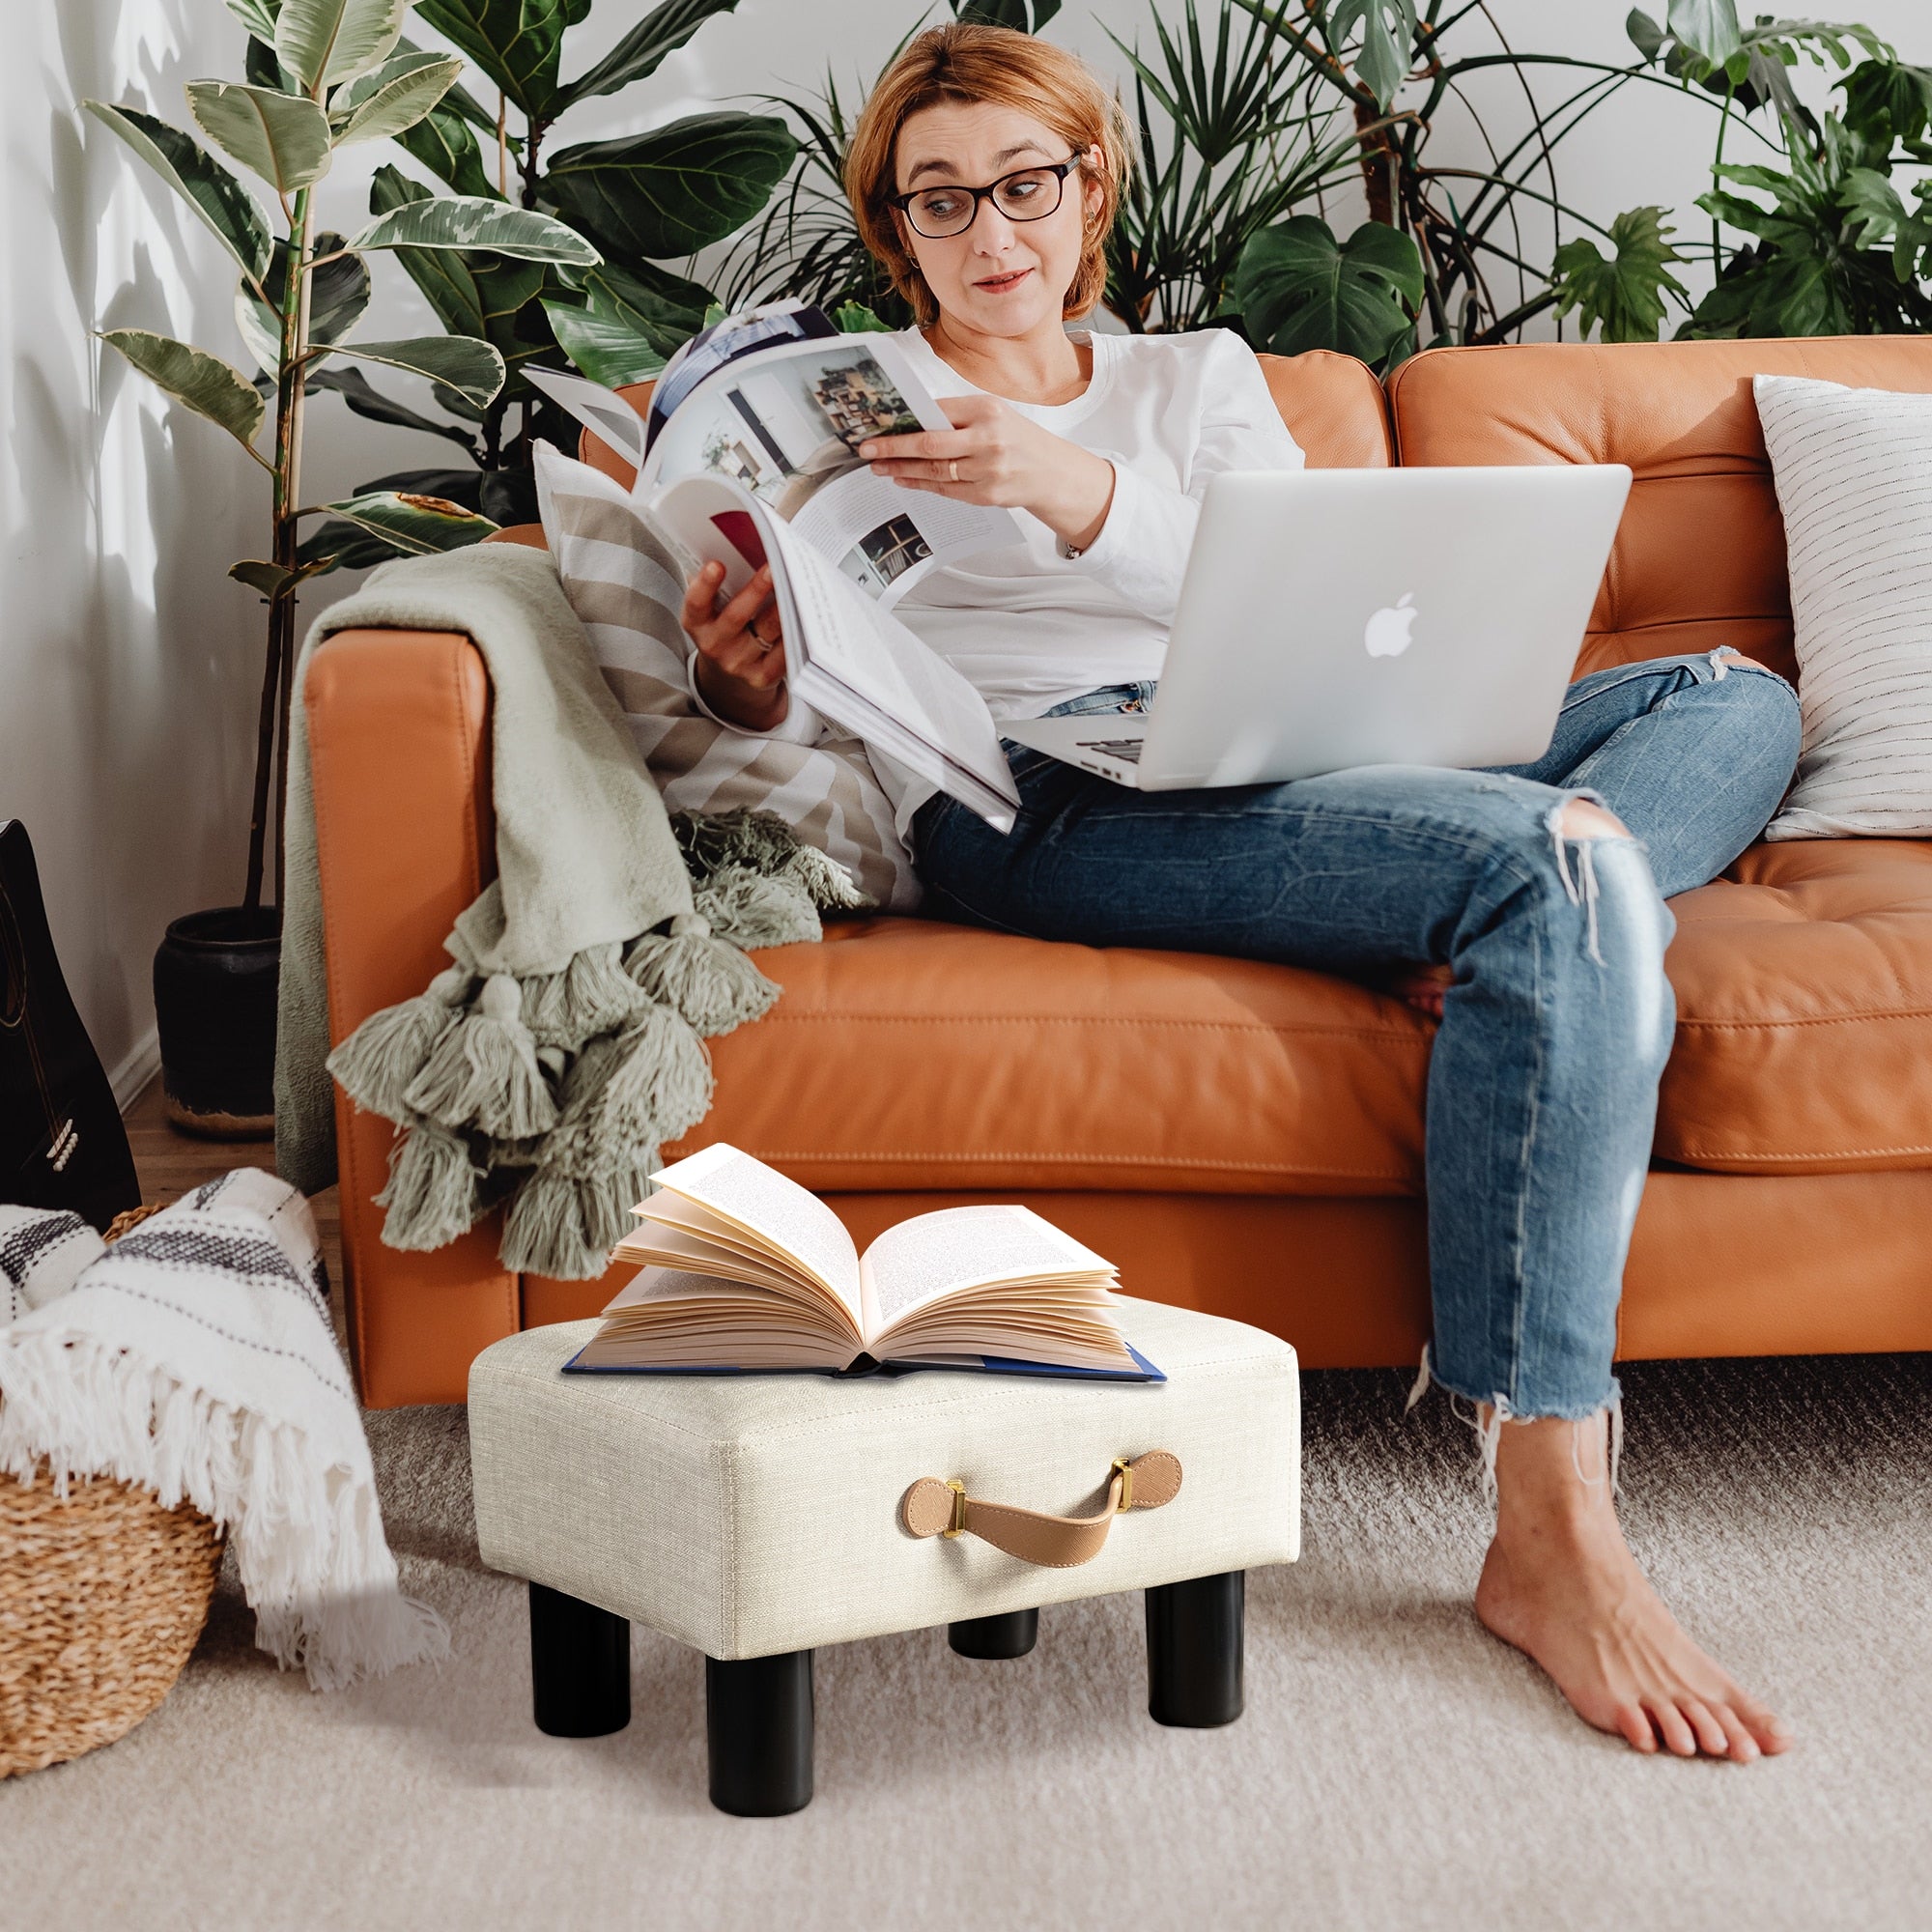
x: 1767, y: 1730
x: 1742, y: 1745
x: 1713, y: 1740
x: 1677, y: 1735
x: 1633, y: 1721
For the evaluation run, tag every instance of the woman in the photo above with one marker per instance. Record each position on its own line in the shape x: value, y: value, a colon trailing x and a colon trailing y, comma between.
x: 986, y: 171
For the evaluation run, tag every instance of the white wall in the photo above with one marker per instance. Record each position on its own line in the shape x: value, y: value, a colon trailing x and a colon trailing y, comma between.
x: 128, y: 663
x: 129, y: 666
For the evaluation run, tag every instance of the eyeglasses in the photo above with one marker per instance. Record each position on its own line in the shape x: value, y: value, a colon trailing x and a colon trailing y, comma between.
x: 1027, y: 194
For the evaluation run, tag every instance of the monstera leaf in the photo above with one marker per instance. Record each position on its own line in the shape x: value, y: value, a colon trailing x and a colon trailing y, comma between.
x: 1389, y: 31
x: 226, y: 209
x: 282, y: 137
x: 675, y: 189
x: 1623, y: 295
x: 1298, y: 288
x: 323, y: 42
x: 205, y: 382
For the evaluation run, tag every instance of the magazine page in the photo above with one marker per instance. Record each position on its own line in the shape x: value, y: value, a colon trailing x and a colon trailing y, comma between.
x: 865, y: 670
x: 785, y: 423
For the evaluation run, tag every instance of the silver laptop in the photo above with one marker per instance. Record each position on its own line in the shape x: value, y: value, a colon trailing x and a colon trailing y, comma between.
x: 1338, y: 617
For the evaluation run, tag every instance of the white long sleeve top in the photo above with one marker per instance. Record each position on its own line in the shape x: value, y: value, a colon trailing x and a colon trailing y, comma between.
x: 1030, y: 627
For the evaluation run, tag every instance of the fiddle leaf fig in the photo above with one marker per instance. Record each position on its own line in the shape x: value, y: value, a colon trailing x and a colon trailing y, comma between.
x: 674, y: 189
x: 642, y: 50
x: 517, y: 43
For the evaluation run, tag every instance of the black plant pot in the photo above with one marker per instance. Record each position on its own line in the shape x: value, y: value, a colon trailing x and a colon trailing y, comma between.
x: 214, y: 1006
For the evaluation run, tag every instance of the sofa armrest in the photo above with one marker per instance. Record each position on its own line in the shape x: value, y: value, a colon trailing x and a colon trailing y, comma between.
x: 399, y: 747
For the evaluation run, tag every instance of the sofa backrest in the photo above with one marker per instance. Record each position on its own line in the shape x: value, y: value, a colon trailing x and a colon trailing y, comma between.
x: 1699, y: 556
x: 1331, y: 403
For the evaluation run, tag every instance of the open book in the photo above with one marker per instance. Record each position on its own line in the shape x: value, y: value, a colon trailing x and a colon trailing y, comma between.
x: 750, y: 1270
x: 749, y: 456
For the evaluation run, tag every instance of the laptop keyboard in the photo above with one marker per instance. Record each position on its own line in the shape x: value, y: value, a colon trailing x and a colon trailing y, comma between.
x: 1127, y: 749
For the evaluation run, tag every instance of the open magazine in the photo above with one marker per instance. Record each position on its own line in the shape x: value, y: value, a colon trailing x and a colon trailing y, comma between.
x: 745, y: 1269
x: 749, y: 456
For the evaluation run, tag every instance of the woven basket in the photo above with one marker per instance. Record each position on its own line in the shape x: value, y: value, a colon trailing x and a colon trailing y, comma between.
x: 102, y: 1599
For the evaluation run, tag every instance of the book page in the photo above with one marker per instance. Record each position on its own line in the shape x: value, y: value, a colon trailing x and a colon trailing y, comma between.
x: 746, y: 1192
x: 667, y: 1319
x: 956, y: 1248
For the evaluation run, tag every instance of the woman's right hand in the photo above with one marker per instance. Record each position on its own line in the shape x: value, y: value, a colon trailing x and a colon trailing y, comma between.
x: 741, y: 656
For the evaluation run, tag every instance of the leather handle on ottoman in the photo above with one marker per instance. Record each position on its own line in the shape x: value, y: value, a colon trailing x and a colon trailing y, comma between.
x: 933, y: 1508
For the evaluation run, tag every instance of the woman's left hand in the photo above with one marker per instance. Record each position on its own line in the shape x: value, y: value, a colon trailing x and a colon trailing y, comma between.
x: 996, y: 456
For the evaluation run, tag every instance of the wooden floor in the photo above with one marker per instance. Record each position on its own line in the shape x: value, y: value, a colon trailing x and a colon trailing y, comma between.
x: 170, y: 1163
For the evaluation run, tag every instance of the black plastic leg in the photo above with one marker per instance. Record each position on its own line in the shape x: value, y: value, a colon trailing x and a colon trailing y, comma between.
x: 758, y: 1715
x: 996, y: 1638
x: 1194, y: 1651
x: 580, y: 1666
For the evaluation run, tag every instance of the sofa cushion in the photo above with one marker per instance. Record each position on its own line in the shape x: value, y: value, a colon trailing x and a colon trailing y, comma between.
x: 1699, y: 555
x: 909, y: 1053
x: 1805, y: 1012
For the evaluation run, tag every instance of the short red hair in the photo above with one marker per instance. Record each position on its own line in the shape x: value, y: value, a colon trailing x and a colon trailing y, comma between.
x: 969, y: 63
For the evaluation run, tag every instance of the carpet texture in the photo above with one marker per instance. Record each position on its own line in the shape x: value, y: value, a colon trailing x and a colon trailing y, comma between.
x: 1396, y: 1767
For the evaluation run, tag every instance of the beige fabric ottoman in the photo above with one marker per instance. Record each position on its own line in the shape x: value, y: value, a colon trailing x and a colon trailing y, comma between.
x: 755, y: 1517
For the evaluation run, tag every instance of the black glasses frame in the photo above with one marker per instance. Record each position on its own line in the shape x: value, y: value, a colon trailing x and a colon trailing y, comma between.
x: 1059, y: 169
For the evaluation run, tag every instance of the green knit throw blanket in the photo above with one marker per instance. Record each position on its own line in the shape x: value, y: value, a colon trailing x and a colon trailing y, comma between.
x: 549, y: 1095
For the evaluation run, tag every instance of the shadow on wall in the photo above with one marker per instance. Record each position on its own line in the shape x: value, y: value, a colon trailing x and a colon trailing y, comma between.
x: 129, y: 664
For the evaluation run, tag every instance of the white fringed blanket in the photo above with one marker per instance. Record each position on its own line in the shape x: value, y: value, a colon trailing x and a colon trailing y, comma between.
x: 194, y: 1357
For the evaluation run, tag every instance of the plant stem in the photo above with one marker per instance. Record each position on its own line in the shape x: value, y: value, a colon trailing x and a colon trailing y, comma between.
x: 289, y: 394
x: 504, y: 145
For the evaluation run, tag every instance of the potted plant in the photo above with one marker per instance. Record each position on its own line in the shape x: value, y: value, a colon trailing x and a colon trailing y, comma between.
x: 335, y: 75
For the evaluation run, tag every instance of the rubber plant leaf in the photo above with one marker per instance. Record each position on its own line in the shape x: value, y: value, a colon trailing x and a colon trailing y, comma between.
x: 642, y: 50
x: 1298, y: 288
x: 272, y: 579
x: 323, y: 42
x: 229, y: 212
x: 209, y: 386
x: 1624, y: 296
x: 471, y: 368
x: 675, y: 189
x: 258, y: 17
x: 338, y: 292
x: 392, y: 98
x: 469, y: 221
x: 517, y: 43
x: 365, y: 400
x: 442, y: 275
x: 282, y: 137
x: 416, y: 524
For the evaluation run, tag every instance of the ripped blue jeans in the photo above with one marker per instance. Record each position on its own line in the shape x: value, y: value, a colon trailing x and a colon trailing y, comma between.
x: 1542, y: 1091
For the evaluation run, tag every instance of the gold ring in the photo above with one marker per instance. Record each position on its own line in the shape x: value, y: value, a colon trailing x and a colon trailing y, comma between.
x: 952, y: 470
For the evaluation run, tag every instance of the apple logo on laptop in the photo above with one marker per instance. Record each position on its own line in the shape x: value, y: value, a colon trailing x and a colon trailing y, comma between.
x: 1386, y: 633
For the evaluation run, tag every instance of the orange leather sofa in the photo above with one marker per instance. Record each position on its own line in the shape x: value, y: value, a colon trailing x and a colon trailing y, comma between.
x: 1246, y: 1138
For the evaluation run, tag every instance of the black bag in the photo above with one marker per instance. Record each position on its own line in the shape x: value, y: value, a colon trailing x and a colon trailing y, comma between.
x: 62, y: 1142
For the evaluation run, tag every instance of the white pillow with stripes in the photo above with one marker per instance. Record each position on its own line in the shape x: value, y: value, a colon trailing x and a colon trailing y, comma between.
x: 625, y: 588
x: 1854, y: 475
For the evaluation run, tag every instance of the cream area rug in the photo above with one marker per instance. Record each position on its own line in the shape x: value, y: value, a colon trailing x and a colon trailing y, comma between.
x: 1396, y: 1767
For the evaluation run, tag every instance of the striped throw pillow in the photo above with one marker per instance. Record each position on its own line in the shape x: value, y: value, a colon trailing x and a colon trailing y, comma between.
x: 626, y: 588
x: 1854, y: 475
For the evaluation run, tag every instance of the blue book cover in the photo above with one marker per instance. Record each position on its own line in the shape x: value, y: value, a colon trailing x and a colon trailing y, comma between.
x: 1144, y: 1370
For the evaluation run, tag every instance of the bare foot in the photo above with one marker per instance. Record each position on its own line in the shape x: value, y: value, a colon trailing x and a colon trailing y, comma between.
x: 1561, y: 1585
